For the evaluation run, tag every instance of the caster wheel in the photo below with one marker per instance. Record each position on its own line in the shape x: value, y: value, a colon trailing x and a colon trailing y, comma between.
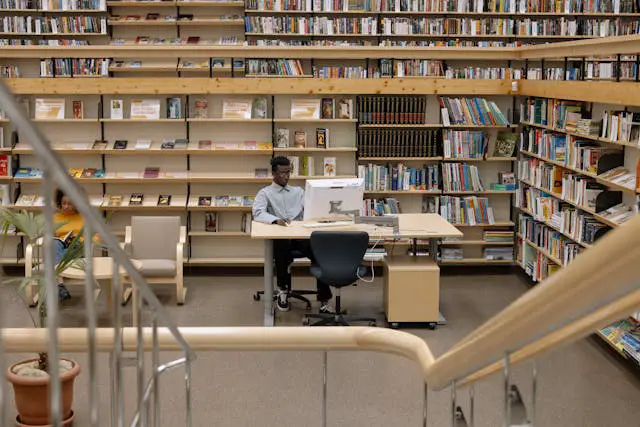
x: 394, y: 325
x: 432, y: 325
x: 373, y: 324
x: 305, y: 322
x: 256, y: 297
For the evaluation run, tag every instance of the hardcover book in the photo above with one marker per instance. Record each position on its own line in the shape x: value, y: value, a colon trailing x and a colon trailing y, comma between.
x: 50, y: 108
x: 142, y: 144
x: 136, y: 199
x: 151, y: 172
x: 201, y: 108
x: 181, y: 144
x: 5, y: 165
x: 211, y: 221
x: 329, y: 166
x: 204, y: 201
x: 99, y: 144
x: 282, y: 138
x: 259, y: 110
x: 295, y: 165
x: 145, y: 109
x: 505, y: 144
x: 89, y: 173
x: 23, y: 173
x: 26, y: 200
x: 261, y: 172
x: 322, y: 137
x: 307, y: 167
x: 168, y: 144
x: 221, y: 201
x: 239, y: 109
x: 164, y: 200
x: 76, y: 172
x: 78, y: 110
x: 327, y: 108
x: 117, y: 109
x: 120, y: 144
x: 300, y: 139
x: 174, y: 108
x: 204, y: 145
x: 305, y: 109
x: 114, y: 199
x: 345, y: 108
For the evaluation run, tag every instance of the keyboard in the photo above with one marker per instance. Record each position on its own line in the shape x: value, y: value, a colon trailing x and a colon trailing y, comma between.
x: 327, y: 224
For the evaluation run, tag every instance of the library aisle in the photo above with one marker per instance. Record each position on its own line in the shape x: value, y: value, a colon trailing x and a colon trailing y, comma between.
x: 577, y: 386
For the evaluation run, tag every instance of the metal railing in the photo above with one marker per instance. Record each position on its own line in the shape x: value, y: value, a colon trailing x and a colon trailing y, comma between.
x: 55, y: 174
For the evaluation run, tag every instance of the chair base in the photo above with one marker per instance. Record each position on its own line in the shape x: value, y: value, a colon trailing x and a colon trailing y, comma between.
x: 296, y: 295
x: 333, y: 319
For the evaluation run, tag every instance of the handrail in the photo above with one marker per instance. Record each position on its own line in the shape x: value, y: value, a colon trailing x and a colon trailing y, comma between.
x: 578, y: 48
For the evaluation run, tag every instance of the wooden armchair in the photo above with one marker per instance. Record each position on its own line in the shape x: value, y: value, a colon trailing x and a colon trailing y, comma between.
x: 156, y: 243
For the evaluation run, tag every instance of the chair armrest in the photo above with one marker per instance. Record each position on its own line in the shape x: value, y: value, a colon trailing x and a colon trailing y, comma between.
x: 127, y: 239
x: 183, y: 235
x: 179, y: 259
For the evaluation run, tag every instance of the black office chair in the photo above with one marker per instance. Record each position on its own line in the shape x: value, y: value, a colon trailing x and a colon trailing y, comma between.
x: 338, y: 263
x: 297, y: 294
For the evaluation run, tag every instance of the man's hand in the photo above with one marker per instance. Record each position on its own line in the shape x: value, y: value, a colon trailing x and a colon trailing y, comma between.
x: 282, y: 222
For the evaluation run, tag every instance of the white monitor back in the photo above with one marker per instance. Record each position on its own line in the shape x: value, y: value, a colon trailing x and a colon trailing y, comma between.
x: 332, y: 198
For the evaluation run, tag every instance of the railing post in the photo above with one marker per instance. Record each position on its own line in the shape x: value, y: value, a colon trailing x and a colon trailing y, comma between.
x: 156, y: 374
x: 187, y: 381
x: 507, y: 403
x: 117, y: 404
x: 91, y: 323
x: 472, y: 407
x: 534, y: 391
x: 324, y: 388
x: 453, y: 404
x: 425, y: 405
x: 140, y: 363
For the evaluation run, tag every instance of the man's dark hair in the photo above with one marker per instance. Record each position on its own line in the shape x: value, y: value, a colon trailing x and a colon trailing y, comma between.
x: 279, y: 161
x: 59, y: 196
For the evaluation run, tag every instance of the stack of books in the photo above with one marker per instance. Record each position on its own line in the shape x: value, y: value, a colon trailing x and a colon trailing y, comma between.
x: 461, y: 177
x: 379, y: 207
x: 501, y: 253
x: 498, y: 236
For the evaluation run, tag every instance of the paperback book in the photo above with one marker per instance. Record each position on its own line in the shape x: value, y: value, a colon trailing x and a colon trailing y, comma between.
x: 164, y: 200
x: 78, y: 110
x: 201, y: 108
x: 300, y: 139
x: 322, y: 138
x: 327, y: 108
x: 117, y: 109
x: 282, y: 138
x: 211, y: 222
x: 174, y: 108
x: 136, y: 199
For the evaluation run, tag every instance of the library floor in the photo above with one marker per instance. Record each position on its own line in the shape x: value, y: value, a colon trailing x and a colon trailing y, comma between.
x: 580, y: 385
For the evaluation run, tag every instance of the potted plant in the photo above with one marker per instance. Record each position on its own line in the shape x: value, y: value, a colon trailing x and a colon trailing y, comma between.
x: 30, y: 378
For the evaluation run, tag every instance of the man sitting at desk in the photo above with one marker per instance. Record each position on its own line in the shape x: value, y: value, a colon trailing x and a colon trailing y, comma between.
x: 280, y: 203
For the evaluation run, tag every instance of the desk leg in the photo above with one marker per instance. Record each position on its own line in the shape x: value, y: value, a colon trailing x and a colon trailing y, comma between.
x: 268, y: 283
x: 433, y: 252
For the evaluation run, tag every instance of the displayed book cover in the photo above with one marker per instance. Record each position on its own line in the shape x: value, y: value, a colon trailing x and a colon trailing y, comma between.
x: 221, y: 201
x: 136, y: 199
x: 120, y: 144
x: 295, y: 165
x: 117, y: 109
x: 49, y: 108
x: 259, y: 110
x: 23, y: 173
x: 217, y: 62
x: 245, y: 223
x: 327, y: 108
x: 174, y: 108
x: 164, y: 200
x: 305, y: 108
x: 113, y: 199
x: 76, y: 172
x: 248, y: 200
x: 505, y: 144
x: 143, y: 144
x: 168, y: 144
x: 211, y: 221
x: 282, y: 138
x: 322, y: 138
x: 78, y: 110
x: 204, y: 145
x: 99, y: 144
x: 236, y: 109
x: 145, y: 109
x: 89, y: 173
x: 181, y: 144
x: 5, y: 165
x: 204, y: 201
x: 201, y: 108
x: 507, y: 178
x: 345, y: 109
x: 26, y: 200
x: 151, y: 172
x: 235, y: 201
x: 329, y: 166
x: 5, y: 194
x: 261, y: 172
x: 307, y: 166
x: 300, y: 139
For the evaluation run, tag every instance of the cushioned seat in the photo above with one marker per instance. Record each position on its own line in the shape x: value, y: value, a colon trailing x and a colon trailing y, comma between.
x: 157, y: 267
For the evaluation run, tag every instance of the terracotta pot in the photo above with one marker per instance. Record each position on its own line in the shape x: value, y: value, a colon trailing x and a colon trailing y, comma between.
x: 32, y: 394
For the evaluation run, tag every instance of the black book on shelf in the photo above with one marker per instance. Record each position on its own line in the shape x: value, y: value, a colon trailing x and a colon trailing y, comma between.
x: 120, y: 144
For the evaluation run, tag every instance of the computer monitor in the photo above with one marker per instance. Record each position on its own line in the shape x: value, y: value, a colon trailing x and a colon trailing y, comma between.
x: 327, y: 199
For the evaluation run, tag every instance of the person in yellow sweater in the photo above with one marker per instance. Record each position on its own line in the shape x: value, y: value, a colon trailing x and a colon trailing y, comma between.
x: 72, y: 223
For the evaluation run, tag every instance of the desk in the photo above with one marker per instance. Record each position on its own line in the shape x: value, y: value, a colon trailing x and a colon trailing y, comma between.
x: 413, y: 226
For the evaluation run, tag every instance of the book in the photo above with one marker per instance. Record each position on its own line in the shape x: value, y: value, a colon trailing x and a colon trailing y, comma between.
x: 239, y: 109
x: 5, y: 195
x: 142, y: 144
x: 211, y: 221
x: 345, y: 109
x: 305, y: 108
x: 204, y: 201
x: 99, y: 144
x: 151, y: 172
x: 261, y: 172
x: 89, y: 173
x: 282, y: 138
x: 245, y: 223
x: 174, y: 108
x: 307, y: 166
x: 168, y: 144
x: 505, y: 144
x: 50, y: 108
x: 217, y: 62
x: 120, y: 144
x: 300, y: 139
x: 152, y: 16
x: 5, y: 165
x: 322, y: 137
x: 117, y: 109
x: 329, y: 167
x: 113, y: 199
x: 78, y: 110
x: 295, y: 165
x: 204, y: 144
x: 327, y: 108
x: 201, y: 108
x: 136, y: 199
x: 164, y: 200
x: 26, y: 200
x: 145, y: 109
x: 259, y: 109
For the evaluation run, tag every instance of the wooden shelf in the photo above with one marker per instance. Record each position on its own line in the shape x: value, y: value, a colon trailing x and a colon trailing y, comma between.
x: 65, y: 121
x: 220, y: 208
x: 75, y: 11
x: 144, y: 69
x: 148, y: 152
x: 402, y: 192
x: 541, y: 250
x: 474, y: 261
x: 219, y: 234
x: 495, y: 224
x: 508, y: 192
x: 210, y: 22
x: 474, y: 243
x: 299, y: 177
x: 141, y: 3
x: 317, y: 150
x: 141, y: 120
x: 222, y: 120
x: 143, y: 208
x: 548, y: 223
x: 228, y: 152
x: 210, y: 3
x: 406, y: 159
x: 227, y: 179
x: 474, y: 159
x: 418, y: 125
x: 315, y: 120
x: 141, y: 23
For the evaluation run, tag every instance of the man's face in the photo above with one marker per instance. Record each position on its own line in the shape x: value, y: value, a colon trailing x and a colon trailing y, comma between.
x: 281, y: 176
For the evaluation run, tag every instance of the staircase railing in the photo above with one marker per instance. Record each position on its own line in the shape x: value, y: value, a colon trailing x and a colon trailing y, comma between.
x: 55, y: 174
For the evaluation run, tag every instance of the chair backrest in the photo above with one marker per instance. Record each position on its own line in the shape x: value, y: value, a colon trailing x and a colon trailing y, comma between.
x: 339, y: 254
x: 154, y: 237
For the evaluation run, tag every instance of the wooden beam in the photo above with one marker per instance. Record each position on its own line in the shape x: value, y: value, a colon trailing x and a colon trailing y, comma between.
x: 293, y: 86
x: 239, y: 51
x: 622, y: 93
x: 605, y: 46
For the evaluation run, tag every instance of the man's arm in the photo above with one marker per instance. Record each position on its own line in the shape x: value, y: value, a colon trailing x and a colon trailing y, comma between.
x: 260, y: 205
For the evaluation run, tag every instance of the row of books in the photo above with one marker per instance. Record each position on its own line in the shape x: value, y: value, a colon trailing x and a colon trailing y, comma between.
x: 213, y: 224
x: 282, y: 138
x: 497, y: 236
x: 398, y: 142
x: 461, y: 177
x: 305, y: 166
x: 471, y: 111
x: 550, y: 112
x: 503, y: 253
x: 53, y: 5
x: 53, y: 24
x: 399, y: 177
x: 278, y: 5
x: 375, y: 109
x: 549, y: 239
x: 464, y: 143
x: 348, y: 72
x: 621, y: 126
x: 624, y: 336
x: 469, y: 210
x: 9, y: 71
x: 52, y: 42
x: 70, y: 67
x: 176, y: 41
x: 379, y: 207
x: 142, y: 144
x: 277, y: 67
